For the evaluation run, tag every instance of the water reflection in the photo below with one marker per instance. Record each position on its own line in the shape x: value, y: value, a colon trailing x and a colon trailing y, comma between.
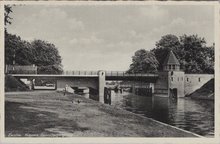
x: 192, y: 115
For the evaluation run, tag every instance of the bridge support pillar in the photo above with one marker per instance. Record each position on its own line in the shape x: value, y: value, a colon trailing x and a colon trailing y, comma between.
x: 101, y: 75
x: 152, y: 86
x: 133, y: 89
x: 32, y: 82
x: 55, y: 84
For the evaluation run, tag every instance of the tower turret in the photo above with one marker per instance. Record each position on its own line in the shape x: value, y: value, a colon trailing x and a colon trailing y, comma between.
x: 171, y: 63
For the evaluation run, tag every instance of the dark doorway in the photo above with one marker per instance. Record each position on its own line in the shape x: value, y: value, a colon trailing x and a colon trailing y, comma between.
x: 173, y: 93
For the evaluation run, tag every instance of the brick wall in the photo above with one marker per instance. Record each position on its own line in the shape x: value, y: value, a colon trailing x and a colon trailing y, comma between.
x: 195, y: 81
x: 176, y: 80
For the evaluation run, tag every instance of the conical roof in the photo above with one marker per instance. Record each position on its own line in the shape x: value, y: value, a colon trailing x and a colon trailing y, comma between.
x: 171, y: 59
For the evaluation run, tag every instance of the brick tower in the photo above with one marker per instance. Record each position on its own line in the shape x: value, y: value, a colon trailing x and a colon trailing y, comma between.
x: 171, y: 79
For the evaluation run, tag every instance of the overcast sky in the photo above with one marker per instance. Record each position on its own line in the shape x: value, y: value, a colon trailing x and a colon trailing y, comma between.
x: 106, y: 37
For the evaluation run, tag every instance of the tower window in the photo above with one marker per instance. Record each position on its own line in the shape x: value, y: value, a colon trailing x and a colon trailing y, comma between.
x: 171, y: 78
x: 199, y: 79
x: 169, y: 67
x: 173, y: 67
x: 187, y: 79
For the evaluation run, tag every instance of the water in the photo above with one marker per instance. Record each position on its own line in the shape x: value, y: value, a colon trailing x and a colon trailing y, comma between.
x: 193, y: 115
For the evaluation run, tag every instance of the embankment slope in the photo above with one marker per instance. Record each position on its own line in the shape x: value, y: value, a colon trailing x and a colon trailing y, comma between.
x: 206, y: 92
x: 13, y: 84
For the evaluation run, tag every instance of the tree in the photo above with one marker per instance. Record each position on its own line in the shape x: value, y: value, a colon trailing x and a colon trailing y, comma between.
x: 20, y: 52
x: 17, y: 50
x: 191, y: 51
x: 195, y: 55
x: 38, y: 52
x: 7, y: 18
x: 143, y: 62
x: 46, y: 57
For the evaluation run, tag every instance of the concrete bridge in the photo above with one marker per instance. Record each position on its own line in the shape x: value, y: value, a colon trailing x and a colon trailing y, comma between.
x: 95, y: 80
x: 171, y: 81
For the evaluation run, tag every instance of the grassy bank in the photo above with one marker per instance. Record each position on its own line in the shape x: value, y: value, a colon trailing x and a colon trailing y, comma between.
x: 54, y: 114
x: 206, y: 92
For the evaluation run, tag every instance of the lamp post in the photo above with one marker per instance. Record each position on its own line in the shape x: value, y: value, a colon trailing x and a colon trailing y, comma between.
x: 13, y: 63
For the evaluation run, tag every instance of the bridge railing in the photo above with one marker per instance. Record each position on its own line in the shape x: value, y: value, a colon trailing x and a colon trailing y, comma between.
x: 80, y: 73
x: 123, y: 73
x: 21, y: 69
x: 107, y: 73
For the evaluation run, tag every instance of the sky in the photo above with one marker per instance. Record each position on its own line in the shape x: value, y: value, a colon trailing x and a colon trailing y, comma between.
x: 105, y: 37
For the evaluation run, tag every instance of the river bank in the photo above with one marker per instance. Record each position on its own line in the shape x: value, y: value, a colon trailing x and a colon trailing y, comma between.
x: 53, y: 114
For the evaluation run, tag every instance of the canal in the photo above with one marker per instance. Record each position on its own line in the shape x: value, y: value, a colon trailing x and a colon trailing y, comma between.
x: 193, y: 115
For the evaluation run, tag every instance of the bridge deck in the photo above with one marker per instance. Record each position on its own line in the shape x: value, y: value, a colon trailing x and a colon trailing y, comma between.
x: 93, y: 74
x: 50, y: 75
x: 83, y: 75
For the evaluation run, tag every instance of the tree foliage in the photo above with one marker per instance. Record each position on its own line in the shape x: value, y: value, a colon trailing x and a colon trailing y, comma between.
x: 46, y: 57
x: 17, y: 50
x: 195, y: 55
x: 7, y: 18
x: 43, y: 54
x: 191, y: 51
x: 143, y: 61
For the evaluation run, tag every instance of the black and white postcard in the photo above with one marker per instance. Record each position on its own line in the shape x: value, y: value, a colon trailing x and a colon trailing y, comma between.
x: 109, y: 72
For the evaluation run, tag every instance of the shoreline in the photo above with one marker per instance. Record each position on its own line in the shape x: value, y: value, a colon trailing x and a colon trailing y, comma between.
x: 166, y: 124
x: 69, y: 119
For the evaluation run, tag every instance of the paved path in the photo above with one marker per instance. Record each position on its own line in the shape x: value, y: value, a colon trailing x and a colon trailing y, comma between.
x: 55, y: 114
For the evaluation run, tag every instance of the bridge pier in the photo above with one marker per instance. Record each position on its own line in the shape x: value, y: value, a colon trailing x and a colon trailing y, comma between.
x: 56, y: 84
x: 132, y: 89
x: 152, y: 86
x: 32, y: 82
x: 101, y: 87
